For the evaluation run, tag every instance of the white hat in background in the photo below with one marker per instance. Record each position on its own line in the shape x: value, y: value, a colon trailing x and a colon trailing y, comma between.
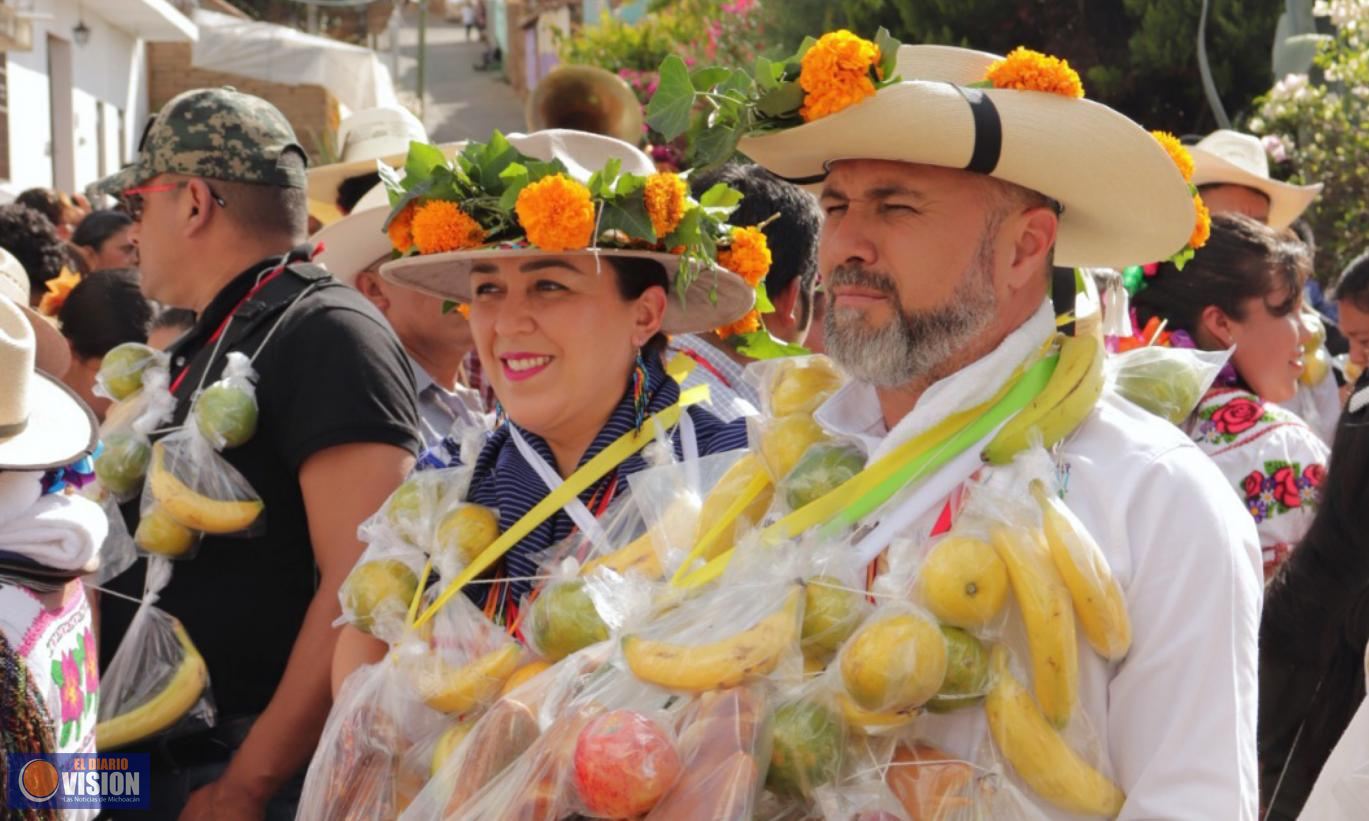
x: 43, y: 425
x: 54, y: 354
x: 1228, y: 157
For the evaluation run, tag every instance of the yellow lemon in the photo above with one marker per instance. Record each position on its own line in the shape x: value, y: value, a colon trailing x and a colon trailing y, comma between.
x: 800, y: 387
x: 964, y: 582
x: 785, y: 440
x: 468, y: 530
x: 160, y: 534
x: 894, y: 663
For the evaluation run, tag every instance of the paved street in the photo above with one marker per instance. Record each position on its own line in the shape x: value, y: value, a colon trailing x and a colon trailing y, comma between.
x: 462, y: 103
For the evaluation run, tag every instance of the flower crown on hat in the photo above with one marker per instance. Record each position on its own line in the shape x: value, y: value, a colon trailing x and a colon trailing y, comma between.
x: 826, y: 75
x: 492, y: 196
x: 1135, y: 278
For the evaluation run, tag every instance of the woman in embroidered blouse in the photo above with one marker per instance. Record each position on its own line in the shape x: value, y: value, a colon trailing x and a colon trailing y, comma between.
x: 1243, y: 291
x: 572, y: 343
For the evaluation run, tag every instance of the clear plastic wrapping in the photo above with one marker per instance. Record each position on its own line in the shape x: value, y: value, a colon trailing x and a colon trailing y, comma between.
x: 125, y: 451
x: 226, y: 412
x: 1168, y: 382
x: 157, y: 683
x: 192, y: 490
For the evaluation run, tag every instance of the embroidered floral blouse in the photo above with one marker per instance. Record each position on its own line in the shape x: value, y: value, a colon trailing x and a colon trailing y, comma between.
x: 1273, y: 459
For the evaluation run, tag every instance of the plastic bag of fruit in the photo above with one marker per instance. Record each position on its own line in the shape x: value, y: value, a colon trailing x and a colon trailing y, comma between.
x: 429, y: 511
x: 362, y: 769
x: 811, y: 747
x: 117, y: 552
x: 724, y: 746
x: 125, y: 436
x: 226, y: 412
x: 835, y: 601
x: 472, y: 753
x: 889, y: 668
x: 1168, y: 382
x: 123, y: 370
x: 823, y: 467
x: 570, y: 611
x: 377, y: 594
x: 458, y: 662
x: 157, y: 683
x: 794, y: 385
x: 191, y: 490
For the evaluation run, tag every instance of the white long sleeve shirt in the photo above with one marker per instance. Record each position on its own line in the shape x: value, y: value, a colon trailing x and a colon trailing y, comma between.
x: 1176, y: 717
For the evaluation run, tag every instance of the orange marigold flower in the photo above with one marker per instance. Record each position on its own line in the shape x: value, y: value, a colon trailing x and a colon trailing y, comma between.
x: 1177, y: 152
x: 59, y: 288
x: 557, y: 214
x: 401, y: 228
x: 1027, y: 70
x: 1202, y: 227
x: 748, y: 256
x: 439, y: 226
x: 835, y: 74
x: 665, y: 202
x: 463, y: 309
x: 747, y: 324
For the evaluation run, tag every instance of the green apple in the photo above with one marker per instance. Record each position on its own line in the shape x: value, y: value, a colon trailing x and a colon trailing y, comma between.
x: 226, y: 413
x: 967, y: 672
x: 806, y: 750
x: 122, y: 463
x: 376, y: 589
x: 564, y: 620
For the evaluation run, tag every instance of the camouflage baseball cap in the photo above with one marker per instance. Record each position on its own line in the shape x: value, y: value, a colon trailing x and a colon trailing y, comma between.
x: 216, y: 133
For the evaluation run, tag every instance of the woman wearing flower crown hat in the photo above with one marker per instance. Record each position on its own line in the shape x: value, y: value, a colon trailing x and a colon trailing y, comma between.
x: 572, y: 269
x: 951, y: 181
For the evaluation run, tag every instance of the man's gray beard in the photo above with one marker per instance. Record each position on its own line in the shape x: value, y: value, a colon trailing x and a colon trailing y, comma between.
x: 915, y: 344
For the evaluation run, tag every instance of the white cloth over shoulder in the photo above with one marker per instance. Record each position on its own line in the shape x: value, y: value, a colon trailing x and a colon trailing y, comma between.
x: 60, y: 531
x: 1176, y: 718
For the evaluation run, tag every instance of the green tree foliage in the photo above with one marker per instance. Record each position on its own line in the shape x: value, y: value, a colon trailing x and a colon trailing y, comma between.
x: 1139, y: 56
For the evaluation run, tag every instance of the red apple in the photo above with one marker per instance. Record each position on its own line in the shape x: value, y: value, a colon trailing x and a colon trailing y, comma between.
x: 624, y: 763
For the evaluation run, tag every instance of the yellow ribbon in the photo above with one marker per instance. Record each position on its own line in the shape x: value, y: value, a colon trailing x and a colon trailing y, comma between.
x: 586, y: 475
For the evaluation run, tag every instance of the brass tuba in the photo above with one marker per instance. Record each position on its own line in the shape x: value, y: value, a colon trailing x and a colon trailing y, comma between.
x: 585, y: 98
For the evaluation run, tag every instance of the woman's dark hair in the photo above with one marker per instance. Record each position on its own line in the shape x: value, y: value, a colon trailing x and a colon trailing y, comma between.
x: 34, y: 242
x: 98, y: 227
x: 1315, y: 627
x: 105, y: 309
x: 45, y: 201
x: 635, y: 275
x: 1243, y: 260
x: 1353, y: 283
x: 351, y: 190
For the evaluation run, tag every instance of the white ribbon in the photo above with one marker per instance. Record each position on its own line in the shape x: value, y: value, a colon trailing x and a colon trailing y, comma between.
x: 584, y: 520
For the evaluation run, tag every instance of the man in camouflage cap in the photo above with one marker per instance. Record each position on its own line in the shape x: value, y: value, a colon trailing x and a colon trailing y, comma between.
x: 217, y: 194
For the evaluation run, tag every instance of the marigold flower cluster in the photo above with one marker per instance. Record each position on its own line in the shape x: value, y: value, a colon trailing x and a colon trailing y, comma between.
x: 401, y: 228
x: 749, y: 255
x: 836, y: 73
x: 440, y: 226
x: 1027, y: 70
x: 1177, y: 152
x: 557, y: 214
x: 750, y: 323
x: 1202, y: 227
x: 665, y: 202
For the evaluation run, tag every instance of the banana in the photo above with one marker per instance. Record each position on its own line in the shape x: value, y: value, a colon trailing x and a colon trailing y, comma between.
x: 870, y: 722
x: 1062, y: 406
x: 1047, y: 616
x: 641, y: 554
x: 721, y: 664
x: 1038, y: 753
x: 165, y: 708
x: 458, y: 691
x: 195, y: 510
x: 1098, y: 601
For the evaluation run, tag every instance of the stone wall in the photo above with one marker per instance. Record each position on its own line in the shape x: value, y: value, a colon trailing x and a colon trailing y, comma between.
x: 310, y: 108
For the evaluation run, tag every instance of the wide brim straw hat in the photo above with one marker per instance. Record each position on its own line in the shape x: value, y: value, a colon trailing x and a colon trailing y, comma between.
x: 53, y: 352
x: 1228, y: 157
x: 43, y: 425
x: 1124, y: 201
x: 714, y: 297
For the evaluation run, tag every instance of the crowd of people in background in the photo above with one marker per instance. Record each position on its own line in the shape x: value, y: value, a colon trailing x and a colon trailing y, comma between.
x: 360, y: 379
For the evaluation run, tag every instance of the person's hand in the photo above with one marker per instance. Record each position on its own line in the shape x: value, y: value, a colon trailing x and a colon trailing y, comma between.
x: 224, y: 800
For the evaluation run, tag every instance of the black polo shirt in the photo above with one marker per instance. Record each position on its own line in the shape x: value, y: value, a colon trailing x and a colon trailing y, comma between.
x: 332, y: 373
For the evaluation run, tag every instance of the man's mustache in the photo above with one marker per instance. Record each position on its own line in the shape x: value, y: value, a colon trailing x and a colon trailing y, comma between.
x: 860, y: 277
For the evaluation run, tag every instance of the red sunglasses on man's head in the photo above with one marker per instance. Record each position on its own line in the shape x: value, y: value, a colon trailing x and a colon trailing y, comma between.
x: 132, y: 198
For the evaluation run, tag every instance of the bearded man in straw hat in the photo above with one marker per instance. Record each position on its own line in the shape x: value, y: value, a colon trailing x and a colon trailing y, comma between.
x: 951, y: 181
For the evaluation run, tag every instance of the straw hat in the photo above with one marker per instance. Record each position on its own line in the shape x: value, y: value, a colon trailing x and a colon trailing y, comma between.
x: 1228, y: 157
x: 373, y: 134
x: 54, y: 354
x: 714, y: 298
x: 1124, y: 200
x: 42, y: 423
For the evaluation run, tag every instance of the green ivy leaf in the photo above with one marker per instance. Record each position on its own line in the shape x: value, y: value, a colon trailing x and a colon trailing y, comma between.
x: 448, y: 306
x: 671, y: 105
x: 710, y: 147
x: 738, y: 86
x: 763, y: 303
x: 761, y: 345
x: 808, y: 42
x: 782, y: 100
x: 422, y: 159
x: 704, y: 79
x: 515, y: 177
x: 768, y: 73
x: 721, y: 195
x: 393, y: 182
x: 629, y: 216
x: 629, y: 184
x: 689, y: 232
